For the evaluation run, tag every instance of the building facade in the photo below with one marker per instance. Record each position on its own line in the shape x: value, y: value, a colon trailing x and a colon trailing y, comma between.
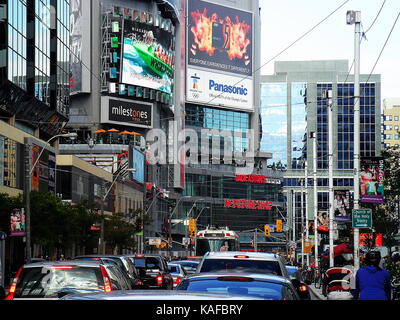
x: 391, y: 123
x: 125, y: 83
x: 294, y: 104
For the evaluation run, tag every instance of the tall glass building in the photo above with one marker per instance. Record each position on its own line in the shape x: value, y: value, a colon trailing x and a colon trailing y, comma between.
x: 293, y: 105
x: 36, y: 50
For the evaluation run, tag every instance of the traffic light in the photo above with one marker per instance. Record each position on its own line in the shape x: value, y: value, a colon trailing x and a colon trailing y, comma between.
x: 267, y: 230
x: 192, y: 225
x: 278, y: 226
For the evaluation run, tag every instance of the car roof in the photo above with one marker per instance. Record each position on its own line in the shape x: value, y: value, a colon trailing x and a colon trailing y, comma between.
x: 65, y: 263
x: 251, y: 255
x: 99, y: 256
x: 157, y: 295
x: 256, y: 276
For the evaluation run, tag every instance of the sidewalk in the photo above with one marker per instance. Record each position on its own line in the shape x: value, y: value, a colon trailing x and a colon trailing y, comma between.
x: 316, y: 292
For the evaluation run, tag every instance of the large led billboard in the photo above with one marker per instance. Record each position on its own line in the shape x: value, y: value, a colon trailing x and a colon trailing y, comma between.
x: 220, y: 38
x: 138, y: 159
x: 148, y: 55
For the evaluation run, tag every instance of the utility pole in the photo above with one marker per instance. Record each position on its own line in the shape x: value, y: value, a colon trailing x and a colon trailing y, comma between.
x: 302, y: 221
x: 101, y: 242
x: 255, y: 240
x: 306, y: 204
x: 294, y: 217
x: 330, y: 157
x: 314, y: 137
x: 27, y: 193
x: 354, y: 17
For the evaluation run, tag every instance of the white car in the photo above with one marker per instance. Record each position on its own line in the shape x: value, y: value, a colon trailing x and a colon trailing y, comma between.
x: 243, y: 262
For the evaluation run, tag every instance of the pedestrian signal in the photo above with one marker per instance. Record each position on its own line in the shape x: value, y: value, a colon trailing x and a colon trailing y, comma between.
x: 278, y: 226
x: 267, y: 230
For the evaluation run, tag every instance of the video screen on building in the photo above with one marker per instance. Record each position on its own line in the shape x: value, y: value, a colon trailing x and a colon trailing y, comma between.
x: 220, y: 38
x: 148, y: 55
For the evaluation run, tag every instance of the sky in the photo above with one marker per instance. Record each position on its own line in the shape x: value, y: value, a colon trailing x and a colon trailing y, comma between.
x: 284, y: 21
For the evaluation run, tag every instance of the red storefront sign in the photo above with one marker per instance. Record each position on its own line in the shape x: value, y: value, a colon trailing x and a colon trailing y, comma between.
x: 248, y: 204
x: 253, y: 178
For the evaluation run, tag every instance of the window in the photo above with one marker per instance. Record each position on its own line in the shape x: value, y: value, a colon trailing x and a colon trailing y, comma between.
x: 388, y: 136
x: 396, y: 118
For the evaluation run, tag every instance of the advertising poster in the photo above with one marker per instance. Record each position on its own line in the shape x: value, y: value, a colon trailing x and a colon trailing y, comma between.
x: 52, y: 173
x: 219, y: 89
x: 342, y: 205
x: 323, y: 222
x: 80, y: 46
x: 371, y: 180
x: 138, y: 164
x: 129, y: 112
x: 17, y: 223
x: 148, y: 56
x: 220, y: 38
x: 35, y: 172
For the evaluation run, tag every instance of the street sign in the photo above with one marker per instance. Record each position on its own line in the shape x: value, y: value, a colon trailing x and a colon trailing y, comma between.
x: 154, y: 241
x: 185, y: 241
x: 362, y: 218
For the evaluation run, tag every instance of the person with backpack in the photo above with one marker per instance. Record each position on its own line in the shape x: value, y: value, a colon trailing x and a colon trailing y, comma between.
x: 372, y: 282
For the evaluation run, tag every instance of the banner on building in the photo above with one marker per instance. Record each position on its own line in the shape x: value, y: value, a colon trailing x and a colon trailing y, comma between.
x: 17, y: 223
x: 148, y: 55
x: 80, y: 39
x: 371, y: 180
x: 342, y: 205
x: 138, y: 159
x: 220, y: 38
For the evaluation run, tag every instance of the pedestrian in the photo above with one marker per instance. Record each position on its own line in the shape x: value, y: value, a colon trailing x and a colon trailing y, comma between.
x: 372, y: 282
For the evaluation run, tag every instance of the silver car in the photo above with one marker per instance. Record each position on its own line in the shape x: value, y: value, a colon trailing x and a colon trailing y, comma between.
x: 177, y: 272
x: 162, y: 295
x: 248, y: 262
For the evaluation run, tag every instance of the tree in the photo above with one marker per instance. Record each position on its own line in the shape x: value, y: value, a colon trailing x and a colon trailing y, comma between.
x: 118, y: 232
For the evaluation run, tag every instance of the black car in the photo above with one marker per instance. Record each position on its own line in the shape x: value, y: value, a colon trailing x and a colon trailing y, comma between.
x: 153, y: 270
x: 301, y: 288
x: 124, y: 263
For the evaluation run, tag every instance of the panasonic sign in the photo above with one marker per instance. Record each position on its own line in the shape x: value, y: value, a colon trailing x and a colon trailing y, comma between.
x: 221, y: 90
x: 228, y: 89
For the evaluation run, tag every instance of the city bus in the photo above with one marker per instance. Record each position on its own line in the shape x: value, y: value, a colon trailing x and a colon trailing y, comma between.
x: 213, y: 239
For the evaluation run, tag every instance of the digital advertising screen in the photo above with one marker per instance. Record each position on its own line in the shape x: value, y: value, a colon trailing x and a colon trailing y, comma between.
x: 220, y: 38
x: 371, y: 180
x: 148, y: 56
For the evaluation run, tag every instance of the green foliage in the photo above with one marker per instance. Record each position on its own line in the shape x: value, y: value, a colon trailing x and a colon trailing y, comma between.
x: 393, y: 269
x: 118, y: 231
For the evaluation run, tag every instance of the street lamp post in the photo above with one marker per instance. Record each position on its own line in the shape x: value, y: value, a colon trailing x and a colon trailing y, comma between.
x: 27, y: 188
x: 187, y: 217
x: 103, y: 198
x: 354, y: 17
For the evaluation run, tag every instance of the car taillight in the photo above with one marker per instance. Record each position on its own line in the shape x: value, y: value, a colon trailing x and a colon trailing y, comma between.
x: 177, y: 280
x: 303, y: 288
x: 139, y: 255
x: 159, y: 280
x: 241, y: 256
x: 106, y: 279
x: 62, y: 267
x: 14, y: 285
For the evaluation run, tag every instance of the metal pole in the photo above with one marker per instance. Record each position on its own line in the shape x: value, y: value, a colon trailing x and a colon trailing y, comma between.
x: 357, y: 133
x: 302, y: 222
x: 27, y: 193
x: 255, y: 241
x: 101, y: 243
x: 294, y: 217
x: 314, y: 137
x: 306, y: 204
x: 331, y: 195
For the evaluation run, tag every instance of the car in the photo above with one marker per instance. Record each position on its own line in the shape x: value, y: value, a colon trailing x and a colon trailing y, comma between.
x: 154, y: 271
x: 123, y: 262
x: 189, y: 265
x: 153, y: 295
x: 264, y: 286
x: 302, y: 289
x: 177, y: 272
x: 54, y: 279
x: 238, y: 261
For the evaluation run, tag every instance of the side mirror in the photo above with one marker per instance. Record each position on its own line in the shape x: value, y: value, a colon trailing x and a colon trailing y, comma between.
x: 2, y: 293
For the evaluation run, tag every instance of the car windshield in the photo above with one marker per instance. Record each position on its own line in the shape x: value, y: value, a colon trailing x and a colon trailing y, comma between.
x: 238, y: 265
x: 148, y: 263
x: 49, y: 282
x: 260, y: 289
x: 189, y: 266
